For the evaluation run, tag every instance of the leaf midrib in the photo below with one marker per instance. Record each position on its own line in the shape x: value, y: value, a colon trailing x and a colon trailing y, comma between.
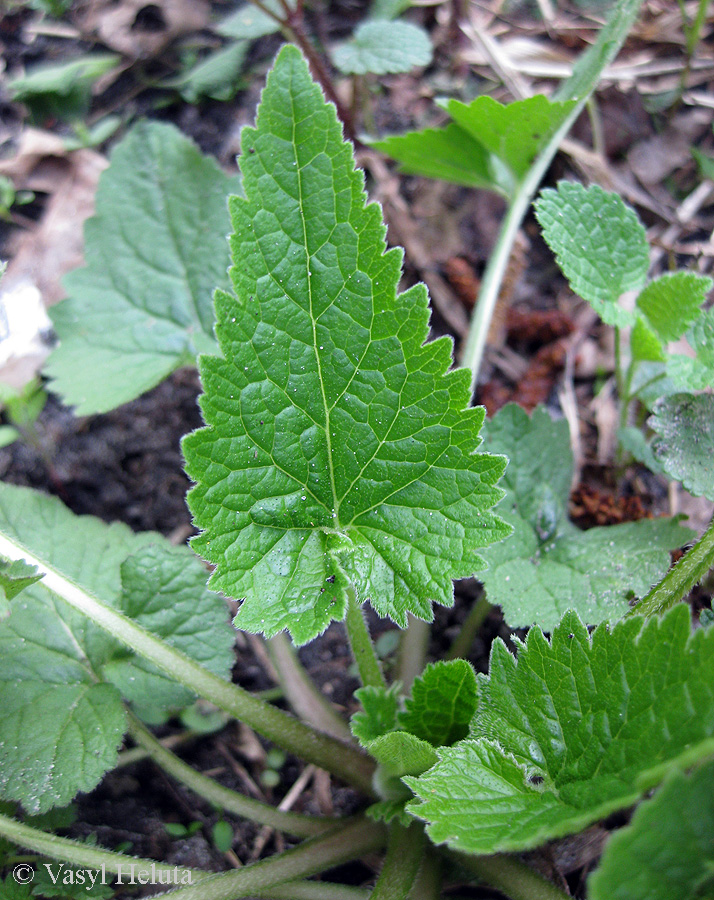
x: 313, y: 323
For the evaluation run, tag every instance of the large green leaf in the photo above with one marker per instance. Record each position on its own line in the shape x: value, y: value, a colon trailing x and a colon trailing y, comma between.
x: 61, y: 677
x: 667, y: 850
x: 549, y: 566
x: 574, y: 730
x: 599, y: 243
x: 154, y: 251
x: 338, y: 449
x: 59, y: 727
x: 684, y: 441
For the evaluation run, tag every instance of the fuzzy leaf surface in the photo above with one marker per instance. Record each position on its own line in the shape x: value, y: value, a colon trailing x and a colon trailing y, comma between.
x: 442, y: 703
x: 573, y: 730
x: 684, y: 445
x: 154, y: 252
x: 599, y: 243
x: 696, y: 373
x: 164, y: 590
x: 673, y: 302
x: 382, y: 47
x: 59, y: 729
x: 60, y: 708
x: 338, y: 448
x: 667, y: 850
x: 549, y: 565
x: 401, y: 753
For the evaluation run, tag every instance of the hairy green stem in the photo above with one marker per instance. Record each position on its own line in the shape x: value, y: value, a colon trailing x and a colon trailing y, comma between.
x: 313, y: 890
x: 356, y: 838
x: 412, y: 651
x: 136, y: 754
x: 301, y: 692
x: 370, y: 671
x: 342, y: 760
x: 82, y: 855
x: 231, y: 801
x: 510, y: 876
x: 428, y: 883
x: 579, y: 86
x: 401, y: 864
x: 681, y: 578
x: 474, y: 620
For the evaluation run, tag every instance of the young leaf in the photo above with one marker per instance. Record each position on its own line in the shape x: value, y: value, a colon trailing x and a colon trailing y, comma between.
x: 401, y: 753
x: 644, y: 343
x: 449, y: 153
x: 599, y: 243
x: 672, y: 302
x: 442, y: 703
x: 338, y: 449
x: 684, y: 445
x: 154, y: 251
x: 574, y: 730
x: 382, y: 47
x: 666, y: 851
x: 516, y: 133
x: 696, y: 373
x: 217, y: 76
x: 488, y: 145
x: 55, y: 665
x: 379, y: 712
x: 549, y: 566
x: 389, y: 810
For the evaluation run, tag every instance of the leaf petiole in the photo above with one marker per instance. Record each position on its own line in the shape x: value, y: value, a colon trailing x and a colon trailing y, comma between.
x: 681, y: 578
x: 370, y: 671
x: 405, y: 851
